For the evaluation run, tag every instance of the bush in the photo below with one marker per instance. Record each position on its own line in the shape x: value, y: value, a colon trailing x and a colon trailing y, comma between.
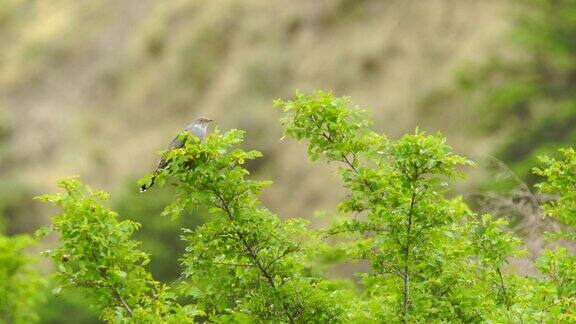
x: 431, y: 258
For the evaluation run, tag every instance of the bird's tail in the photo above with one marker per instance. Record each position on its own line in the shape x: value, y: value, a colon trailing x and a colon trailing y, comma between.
x: 152, y: 181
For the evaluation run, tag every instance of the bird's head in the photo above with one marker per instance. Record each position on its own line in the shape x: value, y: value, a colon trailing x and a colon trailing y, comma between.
x: 199, y: 127
x: 203, y: 121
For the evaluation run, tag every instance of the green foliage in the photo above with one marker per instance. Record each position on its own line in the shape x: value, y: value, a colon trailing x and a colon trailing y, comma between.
x: 399, y: 185
x: 557, y: 287
x: 431, y: 258
x: 157, y: 234
x: 244, y: 264
x: 20, y: 283
x: 158, y: 237
x: 493, y: 245
x: 560, y: 180
x: 97, y: 255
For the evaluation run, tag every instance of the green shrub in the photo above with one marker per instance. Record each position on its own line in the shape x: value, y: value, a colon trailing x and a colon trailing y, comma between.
x: 97, y: 255
x: 431, y: 258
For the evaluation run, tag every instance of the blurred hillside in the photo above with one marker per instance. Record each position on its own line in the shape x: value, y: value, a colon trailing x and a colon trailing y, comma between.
x: 97, y: 88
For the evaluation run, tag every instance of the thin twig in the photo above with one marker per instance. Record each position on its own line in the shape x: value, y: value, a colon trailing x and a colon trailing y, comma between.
x: 123, y: 302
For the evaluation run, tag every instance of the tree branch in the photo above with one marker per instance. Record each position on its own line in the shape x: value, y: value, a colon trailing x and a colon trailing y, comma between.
x: 254, y: 256
x: 123, y: 302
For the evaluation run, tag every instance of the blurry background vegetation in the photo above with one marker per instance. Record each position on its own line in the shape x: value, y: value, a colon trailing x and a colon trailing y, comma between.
x: 96, y: 88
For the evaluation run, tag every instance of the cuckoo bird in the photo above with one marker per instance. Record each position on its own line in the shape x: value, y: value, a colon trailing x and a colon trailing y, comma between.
x: 198, y: 128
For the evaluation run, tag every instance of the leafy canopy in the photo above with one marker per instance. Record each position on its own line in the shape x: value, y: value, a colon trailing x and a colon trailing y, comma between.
x: 430, y: 257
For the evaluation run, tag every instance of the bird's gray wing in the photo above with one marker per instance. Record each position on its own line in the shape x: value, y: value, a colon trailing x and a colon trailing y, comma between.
x: 174, y: 144
x: 199, y: 132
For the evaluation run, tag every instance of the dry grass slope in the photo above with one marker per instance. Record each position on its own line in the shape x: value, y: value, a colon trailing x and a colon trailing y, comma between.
x: 96, y: 88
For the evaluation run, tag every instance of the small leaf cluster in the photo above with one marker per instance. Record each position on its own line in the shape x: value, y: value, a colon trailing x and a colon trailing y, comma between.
x: 557, y: 287
x: 560, y: 181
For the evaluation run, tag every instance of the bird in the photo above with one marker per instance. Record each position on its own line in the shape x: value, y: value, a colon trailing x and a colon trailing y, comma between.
x: 198, y: 128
